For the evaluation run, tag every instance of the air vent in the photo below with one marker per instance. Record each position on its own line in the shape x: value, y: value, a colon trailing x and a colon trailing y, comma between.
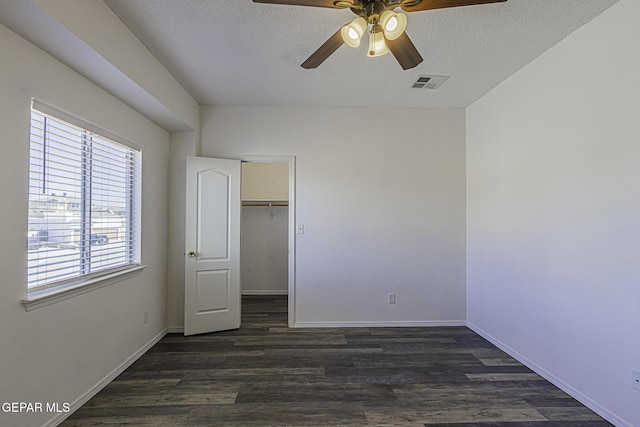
x: 428, y: 82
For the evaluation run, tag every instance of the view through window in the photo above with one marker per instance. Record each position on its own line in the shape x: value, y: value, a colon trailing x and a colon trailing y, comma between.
x: 83, y: 203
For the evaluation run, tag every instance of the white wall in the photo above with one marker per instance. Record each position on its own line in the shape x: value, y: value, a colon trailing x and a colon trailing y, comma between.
x: 96, y: 25
x: 183, y: 144
x: 265, y: 250
x: 381, y: 194
x: 59, y: 352
x: 553, y: 166
x: 265, y: 181
x: 89, y: 38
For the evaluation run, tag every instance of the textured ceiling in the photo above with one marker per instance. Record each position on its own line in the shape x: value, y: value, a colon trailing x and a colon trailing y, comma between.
x: 240, y: 52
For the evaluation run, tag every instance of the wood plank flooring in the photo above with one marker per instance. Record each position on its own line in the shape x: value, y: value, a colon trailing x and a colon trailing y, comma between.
x: 265, y: 374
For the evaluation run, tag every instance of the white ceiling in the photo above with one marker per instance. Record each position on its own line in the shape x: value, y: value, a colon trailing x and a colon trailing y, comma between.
x: 240, y: 52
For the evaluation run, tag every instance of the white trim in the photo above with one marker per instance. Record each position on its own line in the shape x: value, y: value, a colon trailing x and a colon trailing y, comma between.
x: 265, y: 292
x: 56, y: 294
x: 84, y: 398
x: 382, y: 324
x: 175, y: 330
x: 292, y: 242
x: 567, y: 388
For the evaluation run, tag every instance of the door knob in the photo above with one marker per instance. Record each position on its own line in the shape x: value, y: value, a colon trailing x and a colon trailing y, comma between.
x: 191, y: 254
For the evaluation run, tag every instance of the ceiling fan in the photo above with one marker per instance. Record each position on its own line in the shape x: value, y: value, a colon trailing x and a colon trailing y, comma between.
x: 387, y: 26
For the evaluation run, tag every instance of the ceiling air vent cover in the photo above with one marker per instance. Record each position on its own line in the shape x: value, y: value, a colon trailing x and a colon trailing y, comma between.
x: 428, y: 82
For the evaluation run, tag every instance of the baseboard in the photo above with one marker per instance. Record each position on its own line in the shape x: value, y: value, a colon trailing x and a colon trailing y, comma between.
x: 382, y: 324
x: 265, y: 292
x: 567, y: 388
x: 175, y: 330
x: 84, y: 398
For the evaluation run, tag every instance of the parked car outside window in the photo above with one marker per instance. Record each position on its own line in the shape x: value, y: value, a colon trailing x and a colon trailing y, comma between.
x: 99, y: 239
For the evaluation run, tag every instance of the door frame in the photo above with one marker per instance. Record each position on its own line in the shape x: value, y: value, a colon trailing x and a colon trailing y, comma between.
x: 291, y: 287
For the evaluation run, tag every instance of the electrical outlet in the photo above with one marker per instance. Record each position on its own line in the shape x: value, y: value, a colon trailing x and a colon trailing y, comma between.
x: 300, y: 228
x: 392, y: 298
x: 146, y: 316
x: 635, y: 379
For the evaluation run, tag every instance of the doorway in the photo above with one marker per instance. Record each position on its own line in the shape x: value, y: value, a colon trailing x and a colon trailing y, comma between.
x: 212, y: 243
x: 268, y: 229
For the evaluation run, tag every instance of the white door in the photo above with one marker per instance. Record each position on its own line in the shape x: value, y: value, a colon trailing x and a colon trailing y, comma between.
x: 212, y: 239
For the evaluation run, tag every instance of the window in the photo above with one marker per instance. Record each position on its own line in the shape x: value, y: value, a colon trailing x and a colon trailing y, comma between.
x: 84, y: 201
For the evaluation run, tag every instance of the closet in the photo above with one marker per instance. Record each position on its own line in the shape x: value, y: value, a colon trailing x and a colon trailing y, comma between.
x: 265, y: 227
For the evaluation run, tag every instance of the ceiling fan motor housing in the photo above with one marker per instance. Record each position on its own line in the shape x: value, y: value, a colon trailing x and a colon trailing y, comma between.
x: 371, y: 9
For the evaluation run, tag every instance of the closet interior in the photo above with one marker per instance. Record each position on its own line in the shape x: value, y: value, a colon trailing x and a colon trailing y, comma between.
x: 265, y: 227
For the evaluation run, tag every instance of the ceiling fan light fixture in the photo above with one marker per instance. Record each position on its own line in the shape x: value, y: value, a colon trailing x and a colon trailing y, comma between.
x: 352, y: 32
x: 388, y: 27
x: 393, y: 24
x: 377, y: 46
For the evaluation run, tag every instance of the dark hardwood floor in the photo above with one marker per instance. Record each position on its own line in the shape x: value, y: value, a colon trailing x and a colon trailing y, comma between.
x: 265, y: 374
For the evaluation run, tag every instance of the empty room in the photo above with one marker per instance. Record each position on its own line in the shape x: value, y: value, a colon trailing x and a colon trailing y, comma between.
x: 318, y: 212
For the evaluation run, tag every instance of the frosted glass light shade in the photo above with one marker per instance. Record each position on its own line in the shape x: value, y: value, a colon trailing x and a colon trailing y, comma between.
x: 352, y: 32
x: 377, y: 46
x: 393, y: 24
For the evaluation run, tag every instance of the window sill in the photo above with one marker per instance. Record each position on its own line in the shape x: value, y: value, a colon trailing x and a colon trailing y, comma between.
x: 51, y: 296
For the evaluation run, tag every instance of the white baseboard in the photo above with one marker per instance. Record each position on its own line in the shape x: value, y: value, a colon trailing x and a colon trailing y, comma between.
x: 382, y: 324
x: 567, y: 388
x: 84, y: 398
x: 175, y: 330
x: 265, y: 292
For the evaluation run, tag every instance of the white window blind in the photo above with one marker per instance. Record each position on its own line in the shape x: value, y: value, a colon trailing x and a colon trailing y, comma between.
x: 84, y: 202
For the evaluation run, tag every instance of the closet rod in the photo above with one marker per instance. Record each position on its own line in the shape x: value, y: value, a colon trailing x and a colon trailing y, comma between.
x: 272, y: 204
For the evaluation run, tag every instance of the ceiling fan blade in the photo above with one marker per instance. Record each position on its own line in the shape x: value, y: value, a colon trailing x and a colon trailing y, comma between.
x: 441, y: 4
x: 324, y: 51
x: 314, y: 3
x: 405, y: 51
